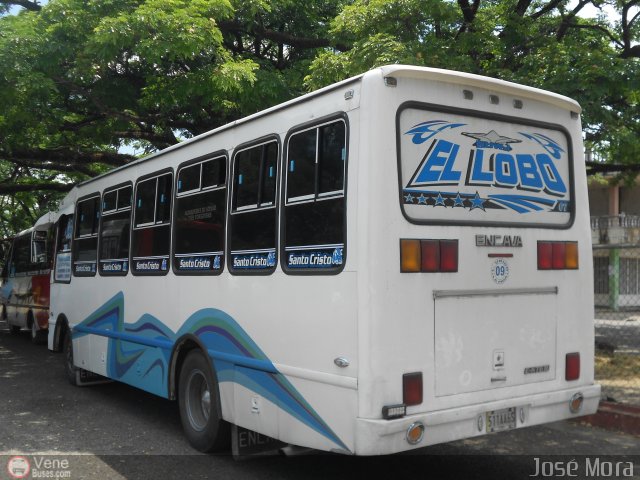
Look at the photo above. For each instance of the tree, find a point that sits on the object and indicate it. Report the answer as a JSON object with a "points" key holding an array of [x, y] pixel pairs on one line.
{"points": [[80, 79], [542, 44]]}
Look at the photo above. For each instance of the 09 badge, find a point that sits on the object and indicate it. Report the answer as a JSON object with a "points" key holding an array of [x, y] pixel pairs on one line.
{"points": [[500, 271]]}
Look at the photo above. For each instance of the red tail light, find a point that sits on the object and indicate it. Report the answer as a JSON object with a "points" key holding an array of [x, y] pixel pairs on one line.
{"points": [[557, 255], [428, 255], [412, 388], [572, 367], [557, 261], [448, 255], [545, 256]]}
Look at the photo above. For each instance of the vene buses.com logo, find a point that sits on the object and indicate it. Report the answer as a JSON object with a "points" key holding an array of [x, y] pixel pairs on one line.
{"points": [[18, 467]]}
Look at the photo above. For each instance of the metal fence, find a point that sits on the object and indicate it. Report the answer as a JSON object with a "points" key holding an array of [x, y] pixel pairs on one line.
{"points": [[617, 321]]}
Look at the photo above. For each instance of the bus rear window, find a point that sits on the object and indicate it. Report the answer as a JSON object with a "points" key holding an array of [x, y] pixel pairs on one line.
{"points": [[459, 167]]}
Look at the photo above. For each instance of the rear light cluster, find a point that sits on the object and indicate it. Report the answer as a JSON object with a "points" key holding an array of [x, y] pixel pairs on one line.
{"points": [[572, 366], [557, 255], [411, 395], [428, 255]]}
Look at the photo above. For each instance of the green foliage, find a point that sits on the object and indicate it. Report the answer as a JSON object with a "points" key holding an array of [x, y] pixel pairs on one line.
{"points": [[80, 79], [541, 46]]}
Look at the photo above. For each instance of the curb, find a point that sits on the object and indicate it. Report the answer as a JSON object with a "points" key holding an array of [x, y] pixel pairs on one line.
{"points": [[614, 416]]}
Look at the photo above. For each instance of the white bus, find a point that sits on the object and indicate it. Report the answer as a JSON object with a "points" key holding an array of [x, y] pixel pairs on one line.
{"points": [[394, 261], [24, 280]]}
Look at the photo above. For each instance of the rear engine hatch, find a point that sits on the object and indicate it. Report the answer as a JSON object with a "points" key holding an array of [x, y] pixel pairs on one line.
{"points": [[489, 339]]}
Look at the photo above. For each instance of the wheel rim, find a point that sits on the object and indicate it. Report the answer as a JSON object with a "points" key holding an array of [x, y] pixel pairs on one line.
{"points": [[198, 400]]}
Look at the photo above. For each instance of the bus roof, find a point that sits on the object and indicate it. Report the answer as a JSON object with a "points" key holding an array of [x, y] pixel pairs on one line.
{"points": [[436, 74]]}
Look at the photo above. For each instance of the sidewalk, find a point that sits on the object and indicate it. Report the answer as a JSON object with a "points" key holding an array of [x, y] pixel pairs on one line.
{"points": [[615, 416]]}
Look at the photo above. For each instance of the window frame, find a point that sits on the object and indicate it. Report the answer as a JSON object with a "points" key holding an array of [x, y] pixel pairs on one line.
{"points": [[154, 224], [317, 196], [75, 239], [58, 251], [107, 190], [275, 205], [190, 163]]}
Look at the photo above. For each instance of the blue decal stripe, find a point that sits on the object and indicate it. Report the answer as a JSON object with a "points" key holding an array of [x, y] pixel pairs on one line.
{"points": [[238, 358], [148, 342]]}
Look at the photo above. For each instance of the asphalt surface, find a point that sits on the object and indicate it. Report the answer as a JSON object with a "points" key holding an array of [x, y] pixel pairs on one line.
{"points": [[113, 431]]}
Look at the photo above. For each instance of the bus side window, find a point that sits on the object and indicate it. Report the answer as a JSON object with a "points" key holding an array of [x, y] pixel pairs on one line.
{"points": [[40, 247], [115, 231], [85, 238], [199, 218], [62, 271], [21, 258], [253, 219], [151, 237], [314, 232]]}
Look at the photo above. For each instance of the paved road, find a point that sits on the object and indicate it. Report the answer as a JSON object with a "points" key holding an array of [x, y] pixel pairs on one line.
{"points": [[113, 431]]}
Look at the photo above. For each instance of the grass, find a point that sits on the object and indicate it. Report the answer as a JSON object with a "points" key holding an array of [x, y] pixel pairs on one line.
{"points": [[619, 366]]}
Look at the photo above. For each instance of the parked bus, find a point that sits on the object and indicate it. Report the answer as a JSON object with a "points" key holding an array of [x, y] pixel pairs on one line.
{"points": [[394, 261], [24, 293]]}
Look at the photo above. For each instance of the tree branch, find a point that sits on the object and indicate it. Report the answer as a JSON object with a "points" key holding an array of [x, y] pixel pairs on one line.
{"points": [[69, 168], [233, 27], [33, 6], [12, 188], [66, 156], [598, 167], [546, 9]]}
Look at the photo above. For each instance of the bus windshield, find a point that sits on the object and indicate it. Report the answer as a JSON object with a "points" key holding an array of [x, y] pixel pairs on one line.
{"points": [[464, 167]]}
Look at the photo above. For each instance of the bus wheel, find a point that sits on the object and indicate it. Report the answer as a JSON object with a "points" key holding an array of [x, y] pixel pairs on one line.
{"points": [[199, 410], [15, 329], [69, 368]]}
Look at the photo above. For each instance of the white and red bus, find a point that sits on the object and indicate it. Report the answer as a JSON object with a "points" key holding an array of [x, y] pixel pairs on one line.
{"points": [[394, 261], [24, 290]]}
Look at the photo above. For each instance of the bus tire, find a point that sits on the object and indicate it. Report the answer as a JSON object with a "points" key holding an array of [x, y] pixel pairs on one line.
{"points": [[70, 369], [198, 400], [14, 329]]}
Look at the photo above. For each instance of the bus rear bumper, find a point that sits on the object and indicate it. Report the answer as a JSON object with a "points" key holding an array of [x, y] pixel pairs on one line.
{"points": [[379, 437]]}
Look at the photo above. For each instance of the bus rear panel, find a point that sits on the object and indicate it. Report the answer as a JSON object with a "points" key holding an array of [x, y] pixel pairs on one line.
{"points": [[479, 312]]}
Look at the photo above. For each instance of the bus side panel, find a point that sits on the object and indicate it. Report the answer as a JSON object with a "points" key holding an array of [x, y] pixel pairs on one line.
{"points": [[137, 352]]}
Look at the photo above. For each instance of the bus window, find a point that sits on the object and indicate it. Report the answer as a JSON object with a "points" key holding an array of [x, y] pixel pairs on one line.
{"points": [[200, 217], [114, 231], [21, 259], [152, 226], [39, 247], [62, 272], [85, 243], [314, 214], [252, 223]]}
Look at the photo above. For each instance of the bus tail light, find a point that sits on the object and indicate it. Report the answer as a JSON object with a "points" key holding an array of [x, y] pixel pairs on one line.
{"points": [[572, 366], [557, 255], [412, 388], [410, 255], [428, 255]]}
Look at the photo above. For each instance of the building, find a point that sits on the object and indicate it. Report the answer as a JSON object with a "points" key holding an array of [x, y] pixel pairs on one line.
{"points": [[615, 231]]}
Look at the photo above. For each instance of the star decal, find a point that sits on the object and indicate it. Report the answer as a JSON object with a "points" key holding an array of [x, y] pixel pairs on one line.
{"points": [[439, 200], [408, 198], [477, 202], [492, 139], [458, 201], [422, 199]]}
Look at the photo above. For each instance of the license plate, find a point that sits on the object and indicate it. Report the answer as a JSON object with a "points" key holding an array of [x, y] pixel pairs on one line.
{"points": [[500, 420]]}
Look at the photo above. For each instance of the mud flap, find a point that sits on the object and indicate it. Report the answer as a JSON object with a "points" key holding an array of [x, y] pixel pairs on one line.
{"points": [[246, 443], [85, 378]]}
